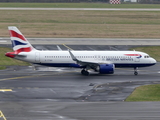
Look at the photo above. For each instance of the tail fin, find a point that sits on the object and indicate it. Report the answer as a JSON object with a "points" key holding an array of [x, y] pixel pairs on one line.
{"points": [[19, 42]]}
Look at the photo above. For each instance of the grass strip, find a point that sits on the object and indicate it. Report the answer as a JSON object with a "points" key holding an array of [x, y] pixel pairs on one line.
{"points": [[2, 67], [6, 61], [77, 5], [145, 93]]}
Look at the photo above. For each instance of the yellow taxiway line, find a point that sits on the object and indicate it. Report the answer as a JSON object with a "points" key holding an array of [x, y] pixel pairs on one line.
{"points": [[67, 47], [2, 115], [15, 78], [5, 90]]}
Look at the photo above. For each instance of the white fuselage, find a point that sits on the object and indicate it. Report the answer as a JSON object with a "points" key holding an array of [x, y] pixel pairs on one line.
{"points": [[63, 58]]}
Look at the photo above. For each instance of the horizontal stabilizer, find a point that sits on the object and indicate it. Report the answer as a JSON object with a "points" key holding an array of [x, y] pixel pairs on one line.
{"points": [[12, 55], [19, 55]]}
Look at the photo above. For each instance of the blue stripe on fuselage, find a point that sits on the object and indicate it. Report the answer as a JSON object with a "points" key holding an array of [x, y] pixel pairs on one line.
{"points": [[60, 65], [119, 65], [78, 66]]}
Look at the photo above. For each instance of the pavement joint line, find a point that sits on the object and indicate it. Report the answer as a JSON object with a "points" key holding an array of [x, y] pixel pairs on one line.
{"points": [[2, 115]]}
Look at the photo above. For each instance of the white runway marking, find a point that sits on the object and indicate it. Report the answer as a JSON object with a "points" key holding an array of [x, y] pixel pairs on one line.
{"points": [[3, 41]]}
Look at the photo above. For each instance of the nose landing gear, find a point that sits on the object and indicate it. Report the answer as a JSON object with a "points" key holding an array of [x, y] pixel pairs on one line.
{"points": [[135, 71]]}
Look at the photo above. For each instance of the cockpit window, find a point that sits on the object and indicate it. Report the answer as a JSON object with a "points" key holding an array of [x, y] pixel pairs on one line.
{"points": [[146, 56]]}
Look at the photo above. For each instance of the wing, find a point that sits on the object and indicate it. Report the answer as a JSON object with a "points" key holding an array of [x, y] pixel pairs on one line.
{"points": [[87, 62]]}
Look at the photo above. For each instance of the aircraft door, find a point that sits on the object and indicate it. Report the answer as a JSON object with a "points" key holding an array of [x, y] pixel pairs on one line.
{"points": [[37, 57], [137, 59]]}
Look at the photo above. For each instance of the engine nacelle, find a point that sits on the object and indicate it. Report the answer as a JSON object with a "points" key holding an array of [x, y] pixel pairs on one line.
{"points": [[106, 68]]}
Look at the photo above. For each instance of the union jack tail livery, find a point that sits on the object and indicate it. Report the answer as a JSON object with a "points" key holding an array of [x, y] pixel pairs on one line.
{"points": [[19, 42]]}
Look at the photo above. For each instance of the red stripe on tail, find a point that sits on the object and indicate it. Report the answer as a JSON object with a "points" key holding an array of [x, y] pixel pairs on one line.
{"points": [[15, 34], [23, 50]]}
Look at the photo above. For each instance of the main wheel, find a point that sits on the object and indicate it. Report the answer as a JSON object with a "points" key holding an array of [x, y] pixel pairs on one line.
{"points": [[135, 73], [84, 72]]}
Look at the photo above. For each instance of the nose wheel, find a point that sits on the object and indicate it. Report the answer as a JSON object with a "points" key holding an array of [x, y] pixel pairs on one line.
{"points": [[135, 71], [84, 72]]}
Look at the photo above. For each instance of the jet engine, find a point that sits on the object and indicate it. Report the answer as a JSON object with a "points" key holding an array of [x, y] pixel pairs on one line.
{"points": [[106, 68]]}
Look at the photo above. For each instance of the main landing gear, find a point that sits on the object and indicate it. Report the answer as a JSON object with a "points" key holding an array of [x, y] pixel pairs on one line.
{"points": [[135, 71], [84, 72]]}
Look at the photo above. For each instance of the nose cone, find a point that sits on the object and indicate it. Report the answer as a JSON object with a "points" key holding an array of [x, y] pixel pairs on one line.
{"points": [[153, 61]]}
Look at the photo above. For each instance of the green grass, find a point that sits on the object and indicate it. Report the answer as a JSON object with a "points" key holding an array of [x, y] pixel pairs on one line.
{"points": [[153, 51], [2, 67], [146, 93], [6, 61], [77, 5]]}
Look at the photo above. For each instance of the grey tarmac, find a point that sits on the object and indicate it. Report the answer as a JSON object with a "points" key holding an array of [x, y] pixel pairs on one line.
{"points": [[81, 110]]}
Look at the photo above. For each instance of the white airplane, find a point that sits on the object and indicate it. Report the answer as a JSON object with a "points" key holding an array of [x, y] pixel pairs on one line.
{"points": [[103, 62]]}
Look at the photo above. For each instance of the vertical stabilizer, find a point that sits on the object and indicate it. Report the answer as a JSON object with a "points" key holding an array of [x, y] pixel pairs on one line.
{"points": [[19, 42]]}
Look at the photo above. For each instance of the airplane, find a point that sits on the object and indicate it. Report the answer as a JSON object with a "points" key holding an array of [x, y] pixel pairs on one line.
{"points": [[103, 62]]}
